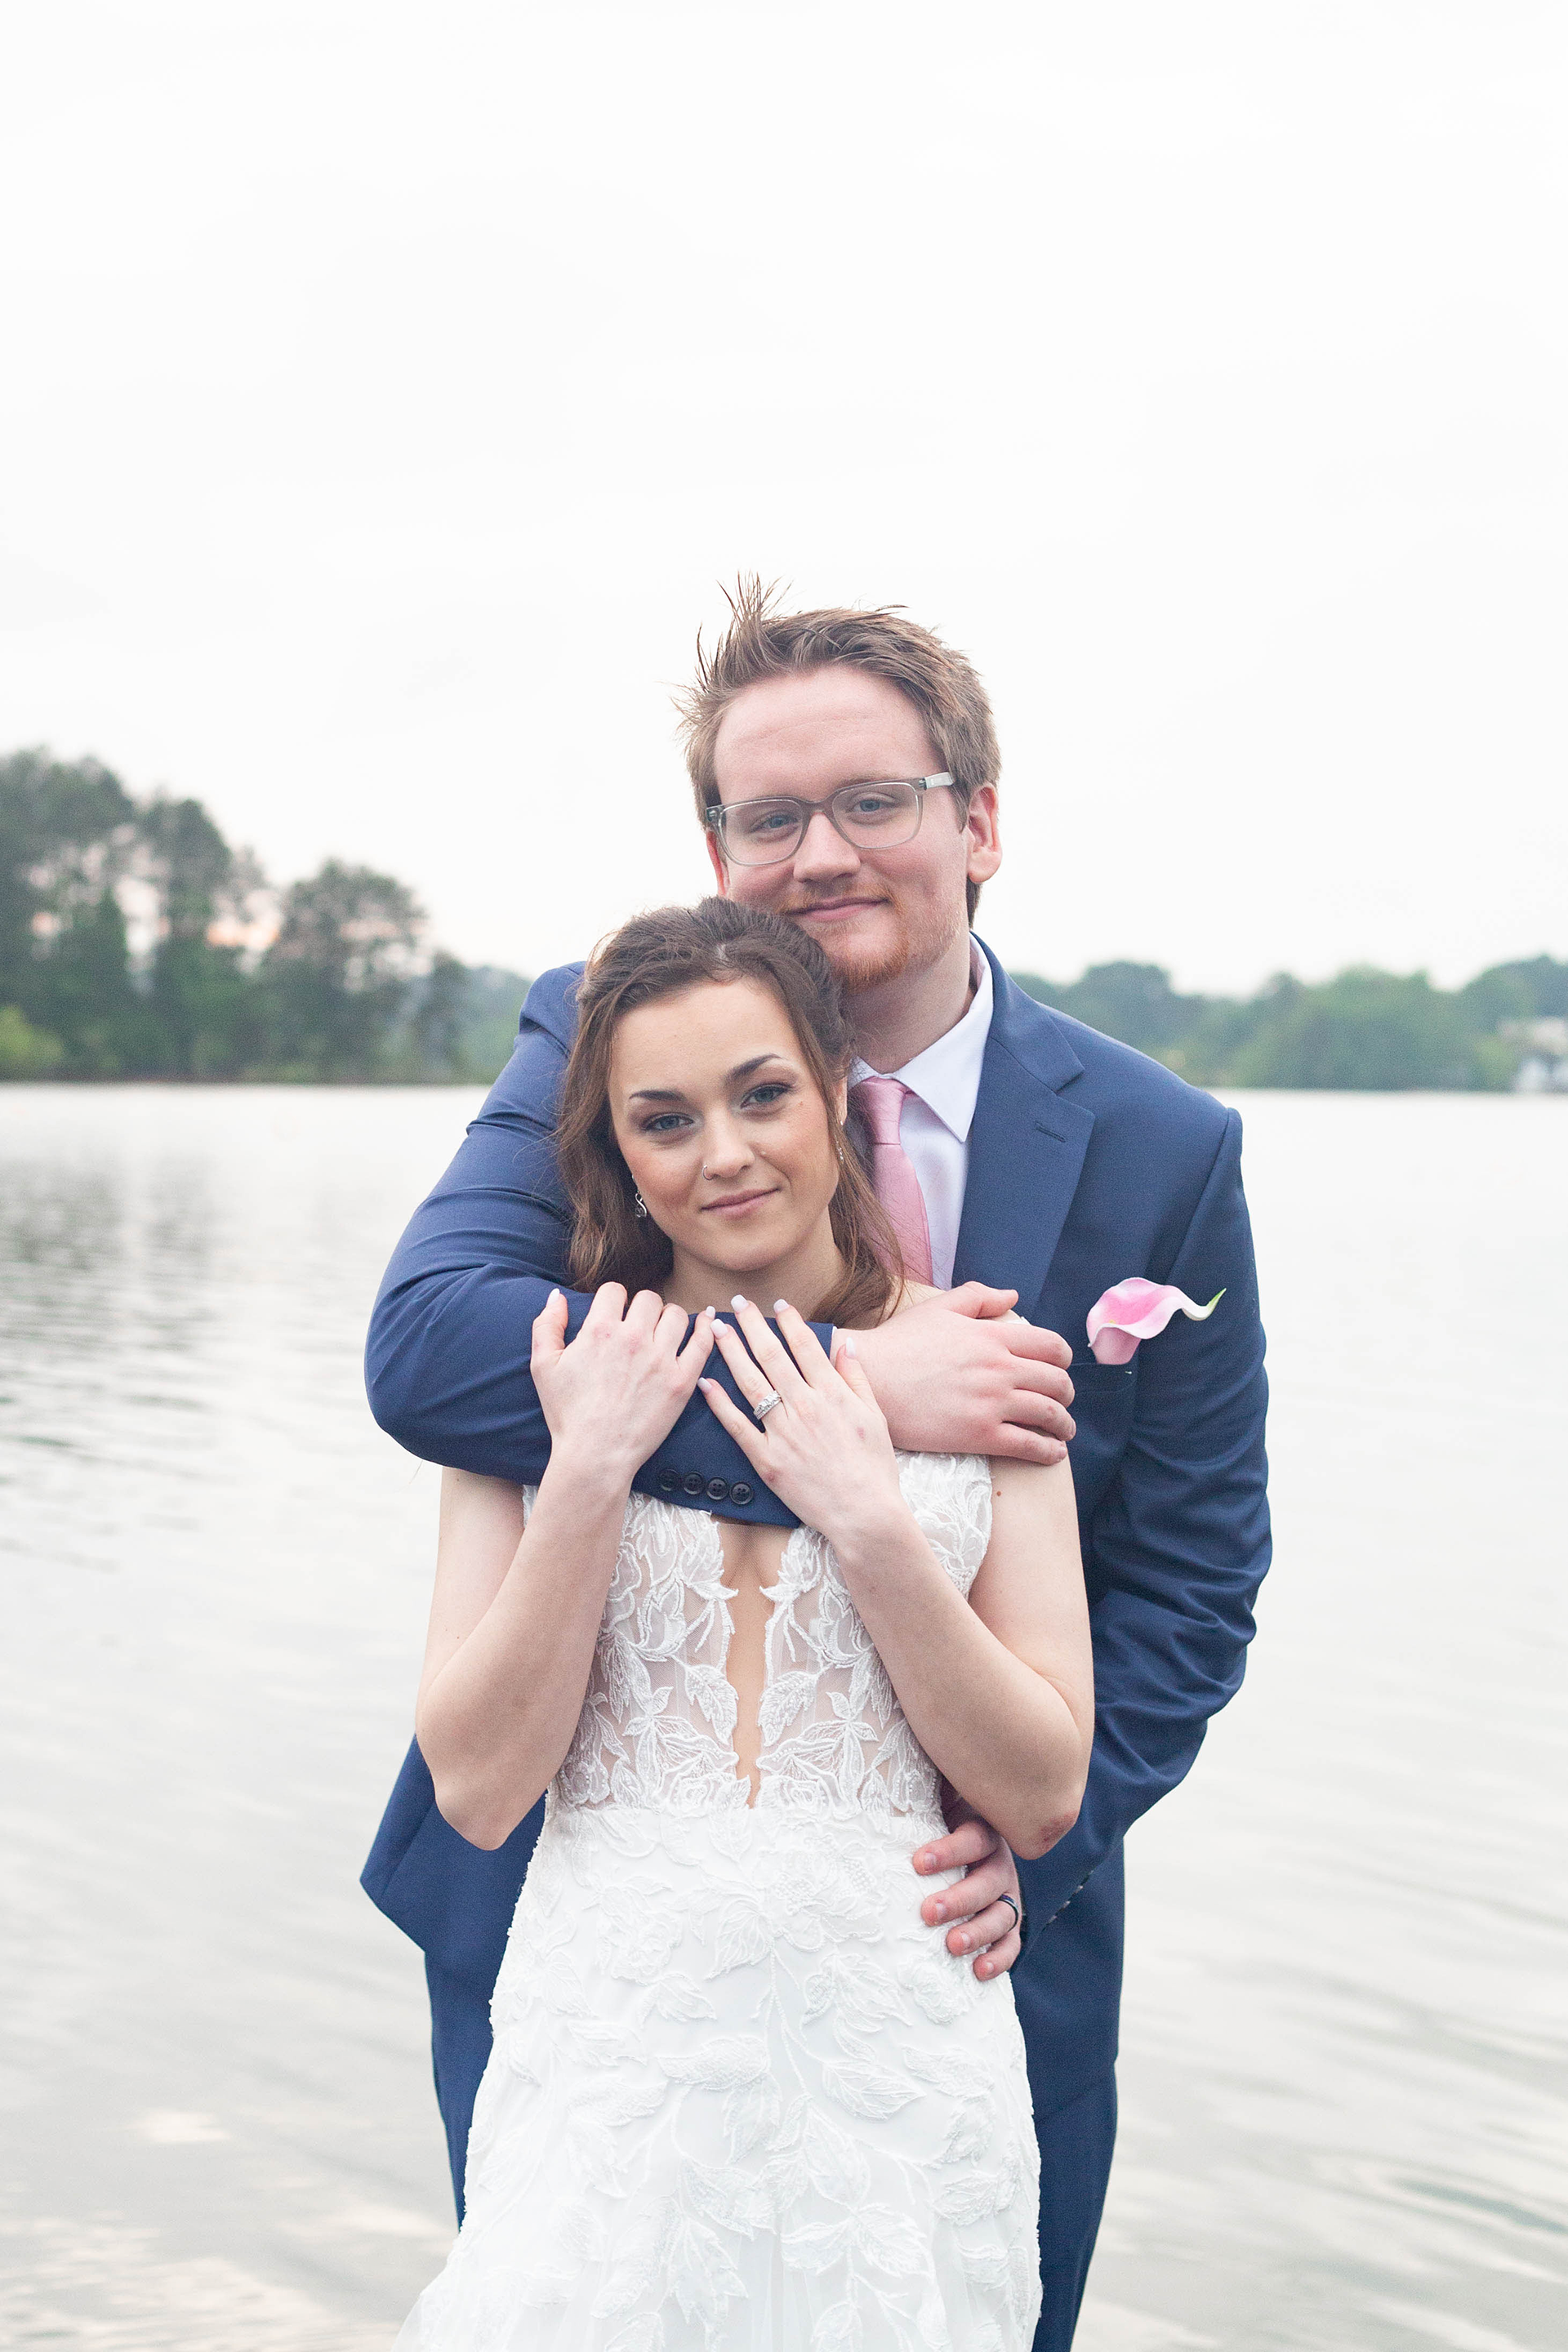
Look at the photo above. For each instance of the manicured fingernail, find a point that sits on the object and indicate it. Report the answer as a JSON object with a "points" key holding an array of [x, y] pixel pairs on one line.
{"points": [[711, 1313], [738, 1302], [778, 1306], [849, 1347], [555, 1294]]}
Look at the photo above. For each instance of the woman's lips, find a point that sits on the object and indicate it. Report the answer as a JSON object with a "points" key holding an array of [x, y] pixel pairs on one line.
{"points": [[736, 1203]]}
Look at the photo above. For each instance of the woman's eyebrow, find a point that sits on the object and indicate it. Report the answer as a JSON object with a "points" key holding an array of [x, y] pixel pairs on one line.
{"points": [[732, 1077]]}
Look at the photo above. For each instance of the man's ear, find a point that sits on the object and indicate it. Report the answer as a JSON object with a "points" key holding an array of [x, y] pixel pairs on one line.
{"points": [[982, 824], [716, 859]]}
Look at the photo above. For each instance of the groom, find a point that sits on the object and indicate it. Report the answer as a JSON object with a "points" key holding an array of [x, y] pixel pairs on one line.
{"points": [[1016, 1150]]}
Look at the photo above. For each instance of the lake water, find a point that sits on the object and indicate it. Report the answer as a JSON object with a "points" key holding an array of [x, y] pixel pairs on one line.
{"points": [[1345, 2055]]}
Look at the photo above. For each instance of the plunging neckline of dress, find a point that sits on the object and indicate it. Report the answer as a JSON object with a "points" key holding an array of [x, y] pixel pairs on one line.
{"points": [[659, 1716], [797, 1537], [749, 1775]]}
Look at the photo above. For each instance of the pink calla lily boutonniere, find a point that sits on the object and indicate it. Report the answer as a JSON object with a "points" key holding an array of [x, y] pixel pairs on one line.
{"points": [[1134, 1310]]}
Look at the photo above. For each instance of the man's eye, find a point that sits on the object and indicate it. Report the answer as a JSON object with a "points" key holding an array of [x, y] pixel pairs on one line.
{"points": [[872, 803]]}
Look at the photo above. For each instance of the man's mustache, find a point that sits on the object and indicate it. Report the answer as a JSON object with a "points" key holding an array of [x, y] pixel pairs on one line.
{"points": [[832, 898]]}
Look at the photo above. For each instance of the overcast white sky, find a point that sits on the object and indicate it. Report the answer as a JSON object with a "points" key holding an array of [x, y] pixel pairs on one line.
{"points": [[386, 388]]}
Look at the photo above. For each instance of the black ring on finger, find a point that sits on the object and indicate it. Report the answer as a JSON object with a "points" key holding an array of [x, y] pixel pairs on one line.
{"points": [[1017, 1915]]}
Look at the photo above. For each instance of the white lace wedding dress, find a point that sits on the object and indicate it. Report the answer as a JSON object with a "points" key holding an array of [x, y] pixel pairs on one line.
{"points": [[741, 2098]]}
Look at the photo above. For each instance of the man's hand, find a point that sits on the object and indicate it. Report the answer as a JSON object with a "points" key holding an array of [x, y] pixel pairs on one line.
{"points": [[962, 1374], [977, 1919]]}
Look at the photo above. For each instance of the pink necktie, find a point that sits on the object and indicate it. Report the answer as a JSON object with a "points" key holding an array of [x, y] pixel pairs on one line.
{"points": [[881, 1102]]}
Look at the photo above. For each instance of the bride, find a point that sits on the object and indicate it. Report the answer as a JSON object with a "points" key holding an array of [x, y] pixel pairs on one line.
{"points": [[740, 2100]]}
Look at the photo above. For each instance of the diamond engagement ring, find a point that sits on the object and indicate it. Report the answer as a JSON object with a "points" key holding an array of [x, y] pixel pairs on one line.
{"points": [[764, 1405]]}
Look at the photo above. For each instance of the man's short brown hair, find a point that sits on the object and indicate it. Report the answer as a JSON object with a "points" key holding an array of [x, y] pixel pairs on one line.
{"points": [[761, 642]]}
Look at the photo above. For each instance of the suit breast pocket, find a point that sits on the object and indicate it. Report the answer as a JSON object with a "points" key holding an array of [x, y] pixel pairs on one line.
{"points": [[1103, 1397]]}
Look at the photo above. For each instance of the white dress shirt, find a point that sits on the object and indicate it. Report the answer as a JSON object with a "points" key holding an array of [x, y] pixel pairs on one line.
{"points": [[934, 1124]]}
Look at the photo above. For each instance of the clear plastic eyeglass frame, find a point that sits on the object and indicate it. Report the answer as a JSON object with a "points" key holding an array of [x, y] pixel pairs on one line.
{"points": [[868, 816]]}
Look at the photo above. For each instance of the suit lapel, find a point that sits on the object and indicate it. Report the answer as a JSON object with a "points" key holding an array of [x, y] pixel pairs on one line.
{"points": [[1026, 1148]]}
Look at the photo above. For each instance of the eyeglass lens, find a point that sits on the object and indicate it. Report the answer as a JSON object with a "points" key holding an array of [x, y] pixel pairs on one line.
{"points": [[760, 833]]}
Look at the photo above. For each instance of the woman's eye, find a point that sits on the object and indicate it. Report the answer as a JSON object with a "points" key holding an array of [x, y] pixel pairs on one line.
{"points": [[763, 1097], [666, 1123]]}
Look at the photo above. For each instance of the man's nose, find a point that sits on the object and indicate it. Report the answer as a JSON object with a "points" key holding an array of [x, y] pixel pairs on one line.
{"points": [[824, 853]]}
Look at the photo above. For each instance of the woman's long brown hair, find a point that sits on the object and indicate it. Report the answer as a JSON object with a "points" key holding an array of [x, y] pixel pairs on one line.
{"points": [[662, 954]]}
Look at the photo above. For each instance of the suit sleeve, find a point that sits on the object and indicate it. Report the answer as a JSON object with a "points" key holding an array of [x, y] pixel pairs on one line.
{"points": [[1178, 1545], [446, 1358]]}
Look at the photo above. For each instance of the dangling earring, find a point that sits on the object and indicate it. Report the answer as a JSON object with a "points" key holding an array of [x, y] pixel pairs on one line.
{"points": [[639, 1206]]}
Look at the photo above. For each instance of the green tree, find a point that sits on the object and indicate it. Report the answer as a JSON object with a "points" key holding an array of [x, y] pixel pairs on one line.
{"points": [[26, 1052], [188, 863], [1533, 990], [205, 1015], [66, 835], [1134, 1002], [1366, 1030], [83, 993], [495, 999], [338, 975], [441, 1021]]}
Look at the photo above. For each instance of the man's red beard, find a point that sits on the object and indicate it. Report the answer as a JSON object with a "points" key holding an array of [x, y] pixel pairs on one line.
{"points": [[860, 970]]}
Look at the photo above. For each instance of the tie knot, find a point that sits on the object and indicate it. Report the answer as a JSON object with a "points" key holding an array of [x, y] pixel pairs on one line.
{"points": [[880, 1103]]}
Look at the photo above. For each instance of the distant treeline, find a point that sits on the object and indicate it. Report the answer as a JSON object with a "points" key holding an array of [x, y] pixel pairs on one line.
{"points": [[135, 942], [1507, 1028]]}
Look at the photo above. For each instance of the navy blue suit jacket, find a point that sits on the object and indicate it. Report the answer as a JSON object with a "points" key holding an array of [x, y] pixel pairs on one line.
{"points": [[1087, 1163]]}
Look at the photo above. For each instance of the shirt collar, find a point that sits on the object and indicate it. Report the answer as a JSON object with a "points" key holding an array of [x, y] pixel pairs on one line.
{"points": [[946, 1076]]}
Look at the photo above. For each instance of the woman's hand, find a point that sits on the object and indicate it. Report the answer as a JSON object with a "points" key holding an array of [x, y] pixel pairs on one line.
{"points": [[825, 1449], [620, 1387]]}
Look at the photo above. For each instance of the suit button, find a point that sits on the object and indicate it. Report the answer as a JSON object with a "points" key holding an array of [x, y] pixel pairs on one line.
{"points": [[692, 1481], [718, 1490], [667, 1482], [741, 1493]]}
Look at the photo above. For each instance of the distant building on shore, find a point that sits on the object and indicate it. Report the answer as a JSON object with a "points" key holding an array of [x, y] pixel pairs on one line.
{"points": [[1544, 1069]]}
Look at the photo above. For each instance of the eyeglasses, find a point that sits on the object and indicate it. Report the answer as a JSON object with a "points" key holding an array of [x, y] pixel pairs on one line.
{"points": [[868, 816]]}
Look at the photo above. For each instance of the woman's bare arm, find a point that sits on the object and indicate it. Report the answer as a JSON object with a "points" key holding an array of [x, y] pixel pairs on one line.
{"points": [[999, 1690], [513, 1622], [516, 1609]]}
